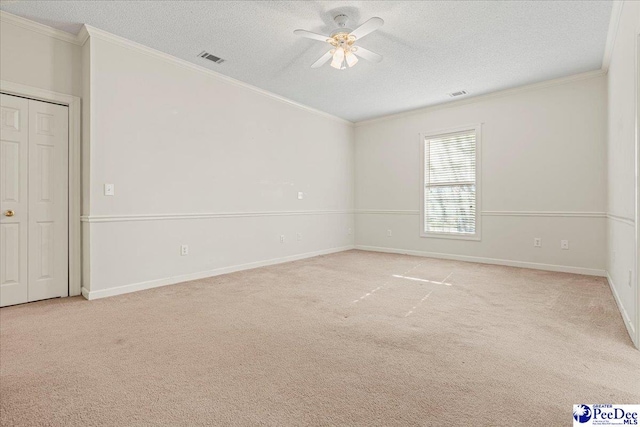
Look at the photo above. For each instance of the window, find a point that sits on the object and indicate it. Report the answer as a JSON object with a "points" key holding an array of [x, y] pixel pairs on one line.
{"points": [[450, 178]]}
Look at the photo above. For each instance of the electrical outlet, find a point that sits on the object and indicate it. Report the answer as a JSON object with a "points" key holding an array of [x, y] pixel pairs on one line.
{"points": [[537, 242], [300, 195], [299, 236], [282, 238], [389, 233], [184, 250], [109, 190], [564, 244]]}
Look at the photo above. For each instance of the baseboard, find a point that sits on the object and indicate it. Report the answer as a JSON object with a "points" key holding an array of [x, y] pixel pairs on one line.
{"points": [[496, 261], [119, 290], [628, 323]]}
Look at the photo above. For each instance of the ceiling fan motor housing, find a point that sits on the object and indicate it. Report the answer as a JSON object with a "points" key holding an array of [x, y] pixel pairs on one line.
{"points": [[341, 21], [343, 53]]}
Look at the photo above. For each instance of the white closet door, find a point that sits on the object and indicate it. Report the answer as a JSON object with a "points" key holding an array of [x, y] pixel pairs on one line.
{"points": [[34, 248], [14, 204], [48, 206]]}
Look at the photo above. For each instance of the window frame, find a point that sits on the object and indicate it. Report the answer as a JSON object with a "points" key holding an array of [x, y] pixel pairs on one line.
{"points": [[477, 128]]}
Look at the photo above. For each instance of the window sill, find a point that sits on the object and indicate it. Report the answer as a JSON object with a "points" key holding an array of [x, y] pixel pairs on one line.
{"points": [[473, 237]]}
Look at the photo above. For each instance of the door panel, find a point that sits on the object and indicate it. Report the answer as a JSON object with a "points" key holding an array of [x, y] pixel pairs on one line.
{"points": [[34, 146], [48, 207], [14, 150]]}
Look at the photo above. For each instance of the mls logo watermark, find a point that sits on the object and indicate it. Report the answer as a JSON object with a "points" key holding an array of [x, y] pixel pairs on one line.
{"points": [[605, 415]]}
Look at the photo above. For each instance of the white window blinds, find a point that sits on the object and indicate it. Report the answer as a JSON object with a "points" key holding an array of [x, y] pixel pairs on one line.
{"points": [[450, 184]]}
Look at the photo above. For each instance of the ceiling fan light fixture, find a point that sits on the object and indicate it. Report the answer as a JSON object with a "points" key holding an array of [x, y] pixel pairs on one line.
{"points": [[351, 59], [338, 59], [343, 53]]}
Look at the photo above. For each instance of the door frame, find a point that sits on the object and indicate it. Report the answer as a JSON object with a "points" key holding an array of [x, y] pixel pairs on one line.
{"points": [[637, 173], [73, 103]]}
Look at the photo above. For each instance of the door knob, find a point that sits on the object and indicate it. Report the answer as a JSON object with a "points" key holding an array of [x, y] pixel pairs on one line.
{"points": [[9, 213]]}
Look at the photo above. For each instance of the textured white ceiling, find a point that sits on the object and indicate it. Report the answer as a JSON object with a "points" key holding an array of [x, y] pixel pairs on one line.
{"points": [[430, 48]]}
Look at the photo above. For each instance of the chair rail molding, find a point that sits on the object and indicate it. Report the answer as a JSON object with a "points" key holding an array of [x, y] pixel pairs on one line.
{"points": [[205, 215], [622, 219], [494, 213]]}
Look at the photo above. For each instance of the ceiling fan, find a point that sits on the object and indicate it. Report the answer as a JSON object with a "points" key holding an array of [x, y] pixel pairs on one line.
{"points": [[343, 53]]}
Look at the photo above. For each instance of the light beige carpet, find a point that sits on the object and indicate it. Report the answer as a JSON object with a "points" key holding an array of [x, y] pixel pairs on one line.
{"points": [[332, 340]]}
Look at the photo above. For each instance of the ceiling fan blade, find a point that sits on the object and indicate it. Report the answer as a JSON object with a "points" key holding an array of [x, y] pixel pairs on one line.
{"points": [[323, 59], [367, 54], [312, 36], [366, 28]]}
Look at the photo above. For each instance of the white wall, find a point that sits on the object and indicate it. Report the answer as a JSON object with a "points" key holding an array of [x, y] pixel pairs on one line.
{"points": [[35, 59], [622, 80], [162, 128], [177, 142], [86, 156], [543, 175]]}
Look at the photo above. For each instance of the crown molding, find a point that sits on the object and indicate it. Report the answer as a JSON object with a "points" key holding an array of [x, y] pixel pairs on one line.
{"points": [[616, 12], [38, 28], [88, 31], [83, 35], [491, 95], [121, 41]]}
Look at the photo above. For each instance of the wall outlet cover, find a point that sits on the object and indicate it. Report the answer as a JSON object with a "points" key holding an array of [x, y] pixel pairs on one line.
{"points": [[109, 190]]}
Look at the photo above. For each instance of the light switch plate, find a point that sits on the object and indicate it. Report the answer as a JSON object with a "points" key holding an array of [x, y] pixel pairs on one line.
{"points": [[109, 190], [300, 195]]}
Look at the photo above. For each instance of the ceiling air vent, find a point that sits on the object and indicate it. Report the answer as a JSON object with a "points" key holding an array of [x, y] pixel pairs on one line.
{"points": [[458, 93], [207, 55]]}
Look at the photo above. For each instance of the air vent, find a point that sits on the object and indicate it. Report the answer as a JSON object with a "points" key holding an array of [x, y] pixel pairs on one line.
{"points": [[458, 93], [207, 55]]}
